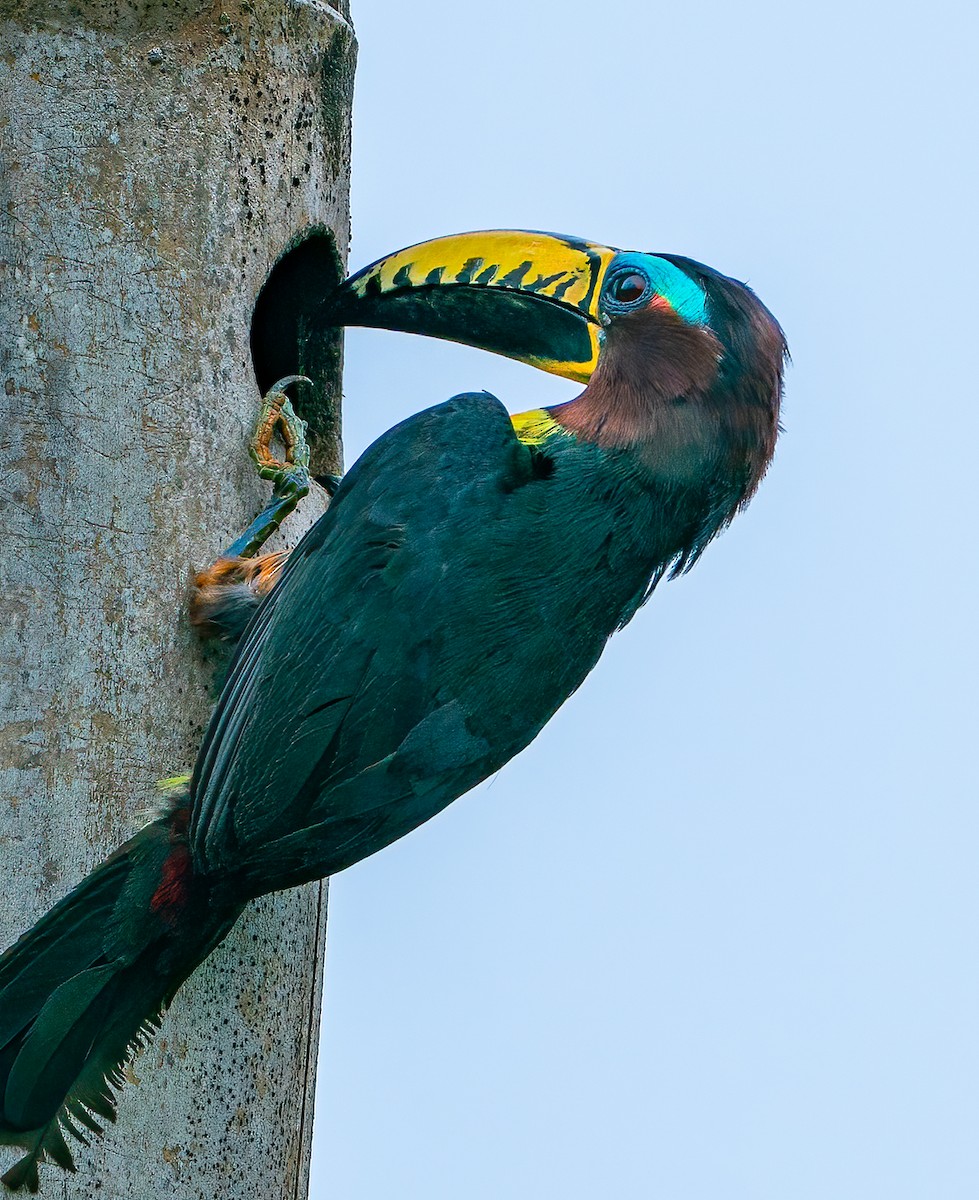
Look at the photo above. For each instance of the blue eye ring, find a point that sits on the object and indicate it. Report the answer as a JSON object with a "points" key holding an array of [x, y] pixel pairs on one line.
{"points": [[626, 288]]}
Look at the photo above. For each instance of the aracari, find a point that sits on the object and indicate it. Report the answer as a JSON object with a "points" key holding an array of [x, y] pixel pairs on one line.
{"points": [[464, 581]]}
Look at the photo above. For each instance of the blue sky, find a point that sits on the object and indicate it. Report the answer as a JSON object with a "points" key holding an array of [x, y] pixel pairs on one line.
{"points": [[713, 935]]}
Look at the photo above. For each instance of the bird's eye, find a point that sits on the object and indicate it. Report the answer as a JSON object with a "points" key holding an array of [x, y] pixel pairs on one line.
{"points": [[625, 289]]}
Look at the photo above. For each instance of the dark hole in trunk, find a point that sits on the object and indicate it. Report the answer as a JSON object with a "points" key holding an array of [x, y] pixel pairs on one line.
{"points": [[286, 339]]}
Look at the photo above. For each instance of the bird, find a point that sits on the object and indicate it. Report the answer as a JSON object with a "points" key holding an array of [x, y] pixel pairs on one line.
{"points": [[465, 579]]}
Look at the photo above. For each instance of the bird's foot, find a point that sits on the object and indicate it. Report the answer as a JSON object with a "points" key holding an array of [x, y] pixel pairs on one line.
{"points": [[227, 592], [289, 475]]}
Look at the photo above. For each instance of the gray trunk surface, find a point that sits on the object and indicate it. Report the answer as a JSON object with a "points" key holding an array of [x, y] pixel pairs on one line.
{"points": [[155, 162]]}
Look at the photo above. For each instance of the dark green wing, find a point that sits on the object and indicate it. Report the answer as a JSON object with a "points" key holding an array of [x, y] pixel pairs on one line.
{"points": [[424, 631]]}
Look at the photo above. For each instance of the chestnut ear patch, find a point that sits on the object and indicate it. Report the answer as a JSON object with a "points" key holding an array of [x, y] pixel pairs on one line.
{"points": [[652, 359]]}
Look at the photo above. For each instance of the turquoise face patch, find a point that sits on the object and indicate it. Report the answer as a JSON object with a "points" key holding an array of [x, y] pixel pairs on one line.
{"points": [[682, 294]]}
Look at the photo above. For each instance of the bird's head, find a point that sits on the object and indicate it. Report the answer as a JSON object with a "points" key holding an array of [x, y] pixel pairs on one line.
{"points": [[678, 360]]}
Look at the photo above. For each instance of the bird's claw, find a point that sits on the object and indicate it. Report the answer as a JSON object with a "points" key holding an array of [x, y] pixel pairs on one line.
{"points": [[226, 594], [289, 475]]}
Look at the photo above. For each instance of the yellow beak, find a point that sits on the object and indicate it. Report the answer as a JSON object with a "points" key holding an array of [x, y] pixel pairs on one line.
{"points": [[529, 296]]}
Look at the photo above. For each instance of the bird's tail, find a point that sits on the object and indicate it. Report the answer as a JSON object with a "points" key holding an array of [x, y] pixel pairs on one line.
{"points": [[84, 988]]}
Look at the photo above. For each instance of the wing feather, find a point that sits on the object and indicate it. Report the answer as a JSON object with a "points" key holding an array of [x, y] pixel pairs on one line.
{"points": [[425, 629]]}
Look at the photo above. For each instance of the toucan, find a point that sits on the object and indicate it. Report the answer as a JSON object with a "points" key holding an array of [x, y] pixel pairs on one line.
{"points": [[464, 580]]}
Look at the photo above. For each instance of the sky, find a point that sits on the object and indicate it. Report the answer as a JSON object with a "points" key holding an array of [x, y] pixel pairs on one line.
{"points": [[713, 934]]}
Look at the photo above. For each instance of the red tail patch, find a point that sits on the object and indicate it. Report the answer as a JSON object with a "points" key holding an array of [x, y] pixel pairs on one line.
{"points": [[172, 893]]}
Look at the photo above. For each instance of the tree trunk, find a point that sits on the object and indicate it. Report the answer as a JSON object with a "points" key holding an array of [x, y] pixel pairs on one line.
{"points": [[157, 160]]}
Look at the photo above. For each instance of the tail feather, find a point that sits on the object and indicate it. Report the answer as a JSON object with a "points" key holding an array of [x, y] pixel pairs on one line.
{"points": [[59, 1044], [87, 987], [69, 935]]}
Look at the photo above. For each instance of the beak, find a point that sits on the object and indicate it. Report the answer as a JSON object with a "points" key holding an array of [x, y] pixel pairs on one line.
{"points": [[528, 296]]}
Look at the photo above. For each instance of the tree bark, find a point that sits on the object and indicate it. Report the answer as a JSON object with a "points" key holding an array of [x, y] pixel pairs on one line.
{"points": [[156, 159]]}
